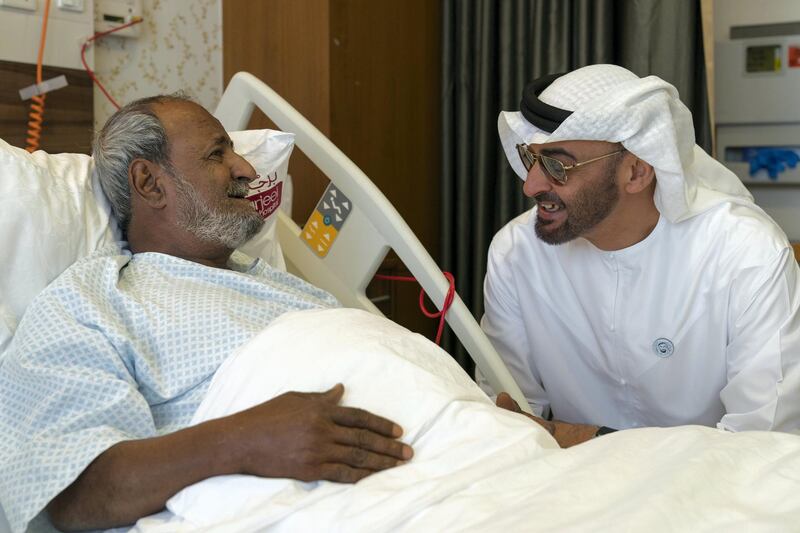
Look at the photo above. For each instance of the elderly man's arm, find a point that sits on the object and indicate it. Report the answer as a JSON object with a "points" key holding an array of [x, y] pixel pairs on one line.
{"points": [[304, 436]]}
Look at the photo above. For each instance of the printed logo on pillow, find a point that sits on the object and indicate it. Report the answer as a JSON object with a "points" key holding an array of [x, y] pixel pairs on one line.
{"points": [[266, 195]]}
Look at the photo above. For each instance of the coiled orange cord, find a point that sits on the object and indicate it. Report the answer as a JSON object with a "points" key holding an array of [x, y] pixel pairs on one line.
{"points": [[36, 114], [35, 119]]}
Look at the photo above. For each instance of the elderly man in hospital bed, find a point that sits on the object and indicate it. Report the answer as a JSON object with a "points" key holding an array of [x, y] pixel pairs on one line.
{"points": [[645, 288], [112, 361]]}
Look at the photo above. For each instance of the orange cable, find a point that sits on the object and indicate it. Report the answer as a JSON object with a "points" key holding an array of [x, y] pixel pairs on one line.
{"points": [[36, 114]]}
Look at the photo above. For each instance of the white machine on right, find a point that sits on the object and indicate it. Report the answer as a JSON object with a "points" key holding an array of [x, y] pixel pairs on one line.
{"points": [[757, 108]]}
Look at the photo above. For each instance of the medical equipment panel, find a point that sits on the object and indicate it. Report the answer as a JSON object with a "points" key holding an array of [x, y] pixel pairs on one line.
{"points": [[756, 92]]}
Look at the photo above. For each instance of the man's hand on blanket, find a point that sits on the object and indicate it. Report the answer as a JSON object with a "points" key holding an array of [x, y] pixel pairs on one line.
{"points": [[566, 434], [296, 435], [308, 436]]}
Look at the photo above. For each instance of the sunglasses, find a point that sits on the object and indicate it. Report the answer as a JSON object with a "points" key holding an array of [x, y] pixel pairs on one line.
{"points": [[555, 169]]}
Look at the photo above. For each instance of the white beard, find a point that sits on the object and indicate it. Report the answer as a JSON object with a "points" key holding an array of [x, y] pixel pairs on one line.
{"points": [[210, 223]]}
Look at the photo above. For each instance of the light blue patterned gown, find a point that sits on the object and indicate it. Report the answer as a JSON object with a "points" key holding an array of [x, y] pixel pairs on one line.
{"points": [[122, 347]]}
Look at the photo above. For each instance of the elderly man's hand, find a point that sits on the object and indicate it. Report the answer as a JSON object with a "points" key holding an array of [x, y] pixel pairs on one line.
{"points": [[296, 435], [308, 436], [566, 434]]}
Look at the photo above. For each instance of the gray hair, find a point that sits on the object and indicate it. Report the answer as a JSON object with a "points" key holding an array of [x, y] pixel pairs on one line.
{"points": [[131, 133]]}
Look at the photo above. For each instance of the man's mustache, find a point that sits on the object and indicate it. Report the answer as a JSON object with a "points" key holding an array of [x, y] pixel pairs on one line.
{"points": [[238, 189]]}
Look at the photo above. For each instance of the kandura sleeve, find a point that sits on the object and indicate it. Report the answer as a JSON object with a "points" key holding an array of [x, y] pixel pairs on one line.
{"points": [[503, 323], [763, 353]]}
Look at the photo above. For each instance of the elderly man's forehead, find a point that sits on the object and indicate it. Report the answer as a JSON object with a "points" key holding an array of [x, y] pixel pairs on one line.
{"points": [[180, 112], [188, 124]]}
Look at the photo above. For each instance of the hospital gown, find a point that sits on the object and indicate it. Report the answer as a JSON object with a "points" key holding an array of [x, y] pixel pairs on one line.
{"points": [[696, 324], [122, 347]]}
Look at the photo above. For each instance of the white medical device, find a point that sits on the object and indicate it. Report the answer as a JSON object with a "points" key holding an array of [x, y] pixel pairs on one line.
{"points": [[110, 14], [757, 92]]}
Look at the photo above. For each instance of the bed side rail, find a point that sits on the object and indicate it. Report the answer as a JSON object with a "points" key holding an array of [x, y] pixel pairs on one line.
{"points": [[373, 227]]}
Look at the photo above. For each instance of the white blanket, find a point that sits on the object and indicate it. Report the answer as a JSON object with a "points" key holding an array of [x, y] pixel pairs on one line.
{"points": [[476, 467]]}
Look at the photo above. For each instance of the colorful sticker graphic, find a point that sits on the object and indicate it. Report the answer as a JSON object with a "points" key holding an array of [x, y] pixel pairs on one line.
{"points": [[326, 221]]}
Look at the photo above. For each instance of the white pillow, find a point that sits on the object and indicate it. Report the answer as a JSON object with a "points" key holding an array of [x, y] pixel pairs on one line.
{"points": [[268, 151], [53, 212]]}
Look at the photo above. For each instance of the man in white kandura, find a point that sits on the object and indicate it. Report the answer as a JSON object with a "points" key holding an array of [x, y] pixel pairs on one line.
{"points": [[645, 288]]}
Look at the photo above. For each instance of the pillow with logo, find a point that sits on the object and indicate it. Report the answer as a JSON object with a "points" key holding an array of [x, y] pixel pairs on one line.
{"points": [[53, 212], [268, 151]]}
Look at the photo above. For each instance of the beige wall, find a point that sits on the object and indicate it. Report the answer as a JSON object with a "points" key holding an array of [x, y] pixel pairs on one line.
{"points": [[180, 47], [20, 32]]}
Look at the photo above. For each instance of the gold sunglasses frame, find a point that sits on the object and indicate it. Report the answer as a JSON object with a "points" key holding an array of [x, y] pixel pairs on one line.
{"points": [[529, 159]]}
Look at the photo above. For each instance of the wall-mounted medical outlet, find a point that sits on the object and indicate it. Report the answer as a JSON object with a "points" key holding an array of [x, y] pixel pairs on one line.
{"points": [[110, 14], [78, 6], [28, 5]]}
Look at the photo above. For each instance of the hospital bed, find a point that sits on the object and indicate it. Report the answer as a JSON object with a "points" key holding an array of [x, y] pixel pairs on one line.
{"points": [[476, 468], [373, 228], [512, 478]]}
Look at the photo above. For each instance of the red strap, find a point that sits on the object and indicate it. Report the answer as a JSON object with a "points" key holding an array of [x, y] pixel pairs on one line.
{"points": [[85, 46], [448, 300]]}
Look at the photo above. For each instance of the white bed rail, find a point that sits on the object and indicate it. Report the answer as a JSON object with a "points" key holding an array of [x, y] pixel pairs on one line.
{"points": [[372, 228]]}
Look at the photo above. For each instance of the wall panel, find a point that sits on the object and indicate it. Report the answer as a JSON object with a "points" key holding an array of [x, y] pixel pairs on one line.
{"points": [[385, 115], [285, 43], [367, 74], [385, 91], [67, 125]]}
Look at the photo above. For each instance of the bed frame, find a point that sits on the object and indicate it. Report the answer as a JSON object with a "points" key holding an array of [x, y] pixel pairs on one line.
{"points": [[373, 228]]}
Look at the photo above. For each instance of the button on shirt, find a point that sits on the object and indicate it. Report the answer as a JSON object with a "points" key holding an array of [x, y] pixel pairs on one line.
{"points": [[696, 324]]}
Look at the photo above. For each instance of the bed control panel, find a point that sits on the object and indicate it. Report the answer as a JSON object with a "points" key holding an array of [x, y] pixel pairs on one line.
{"points": [[326, 221]]}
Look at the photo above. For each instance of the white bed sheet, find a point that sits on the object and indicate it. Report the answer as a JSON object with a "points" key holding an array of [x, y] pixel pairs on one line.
{"points": [[476, 468]]}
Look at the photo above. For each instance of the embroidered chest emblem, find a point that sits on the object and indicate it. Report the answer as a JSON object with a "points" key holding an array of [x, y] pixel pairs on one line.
{"points": [[663, 347]]}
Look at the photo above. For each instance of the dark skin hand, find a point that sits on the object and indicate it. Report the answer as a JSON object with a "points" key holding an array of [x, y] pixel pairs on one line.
{"points": [[566, 434], [305, 436]]}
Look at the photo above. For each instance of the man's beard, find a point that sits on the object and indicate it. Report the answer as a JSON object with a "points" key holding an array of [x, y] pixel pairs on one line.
{"points": [[219, 224], [590, 206]]}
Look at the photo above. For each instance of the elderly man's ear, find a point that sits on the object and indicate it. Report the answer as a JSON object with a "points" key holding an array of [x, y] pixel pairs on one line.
{"points": [[641, 175], [147, 183]]}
